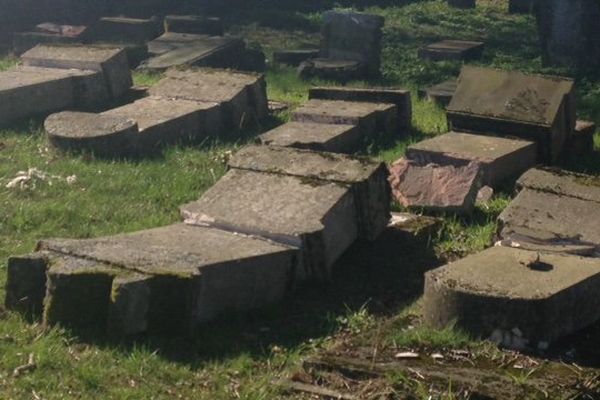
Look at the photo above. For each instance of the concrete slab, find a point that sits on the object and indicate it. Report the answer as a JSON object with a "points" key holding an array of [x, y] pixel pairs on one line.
{"points": [[112, 62], [508, 103], [517, 298], [318, 217], [320, 137], [242, 96], [196, 24], [294, 57], [101, 134], [440, 94], [366, 178], [500, 158], [167, 278], [554, 211], [399, 97], [446, 50], [371, 118], [436, 187]]}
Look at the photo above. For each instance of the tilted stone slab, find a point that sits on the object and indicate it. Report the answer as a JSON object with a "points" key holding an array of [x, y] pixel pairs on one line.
{"points": [[515, 297], [311, 136], [508, 103], [452, 50], [112, 62], [167, 278], [319, 217], [440, 94], [196, 24], [401, 98], [436, 187], [172, 40], [555, 211], [366, 178], [500, 158], [242, 96], [371, 118]]}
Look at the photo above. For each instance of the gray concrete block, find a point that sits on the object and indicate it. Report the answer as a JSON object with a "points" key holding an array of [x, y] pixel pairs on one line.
{"points": [[319, 137], [515, 297]]}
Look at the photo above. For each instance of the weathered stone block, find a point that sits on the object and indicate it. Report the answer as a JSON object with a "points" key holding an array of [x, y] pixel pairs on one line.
{"points": [[500, 158], [319, 137], [436, 187], [120, 29], [26, 283], [399, 97], [129, 308], [441, 94], [112, 62], [172, 40], [366, 178], [371, 118], [515, 297], [507, 103], [452, 50], [196, 24], [294, 57]]}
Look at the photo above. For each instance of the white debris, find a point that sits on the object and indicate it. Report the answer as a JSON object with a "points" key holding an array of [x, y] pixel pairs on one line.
{"points": [[407, 355], [28, 179]]}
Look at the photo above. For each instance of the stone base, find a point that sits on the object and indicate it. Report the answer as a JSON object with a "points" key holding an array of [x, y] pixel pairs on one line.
{"points": [[452, 50], [319, 137], [332, 69]]}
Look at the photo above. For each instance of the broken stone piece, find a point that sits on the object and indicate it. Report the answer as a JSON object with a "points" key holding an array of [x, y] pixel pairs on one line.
{"points": [[440, 94], [195, 24], [294, 57], [500, 158], [484, 195], [436, 187], [452, 50], [509, 103], [535, 296], [401, 98], [311, 136]]}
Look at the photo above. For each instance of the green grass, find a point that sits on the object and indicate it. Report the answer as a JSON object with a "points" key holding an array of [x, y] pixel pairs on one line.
{"points": [[239, 356]]}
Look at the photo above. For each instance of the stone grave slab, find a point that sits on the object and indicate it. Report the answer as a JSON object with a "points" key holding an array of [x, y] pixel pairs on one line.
{"points": [[27, 91], [366, 178], [311, 136], [399, 97], [172, 277], [462, 3], [105, 135], [555, 211], [508, 103], [172, 40], [500, 158], [294, 57], [195, 24], [203, 51], [112, 62], [436, 187], [440, 94], [242, 96], [319, 217], [515, 297], [581, 141], [121, 29], [371, 118], [465, 50]]}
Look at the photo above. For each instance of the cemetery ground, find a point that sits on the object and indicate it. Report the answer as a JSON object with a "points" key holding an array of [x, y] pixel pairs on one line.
{"points": [[370, 311]]}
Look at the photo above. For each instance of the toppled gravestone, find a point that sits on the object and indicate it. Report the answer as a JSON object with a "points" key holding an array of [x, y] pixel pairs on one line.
{"points": [[312, 136], [555, 211], [514, 297], [500, 158], [297, 208], [53, 78], [441, 93], [320, 202], [185, 106], [569, 34], [436, 187], [508, 103], [452, 50], [350, 47]]}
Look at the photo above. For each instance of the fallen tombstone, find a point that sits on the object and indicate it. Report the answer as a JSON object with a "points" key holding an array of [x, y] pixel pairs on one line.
{"points": [[500, 158], [436, 187], [399, 97], [311, 136], [121, 29], [516, 298], [350, 47], [185, 106], [47, 33], [555, 211], [441, 93], [581, 141], [55, 78], [164, 279], [371, 118], [196, 24], [508, 103], [294, 57], [452, 50], [462, 3], [521, 6]]}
